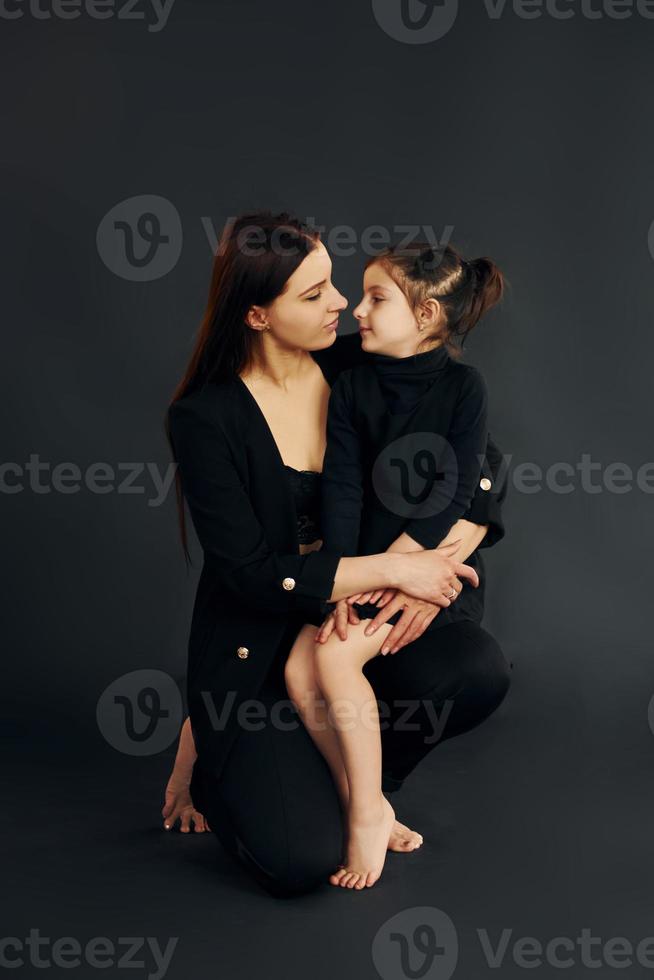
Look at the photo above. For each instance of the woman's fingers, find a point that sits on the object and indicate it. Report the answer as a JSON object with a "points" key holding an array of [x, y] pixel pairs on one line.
{"points": [[200, 823], [418, 627], [354, 598], [384, 614], [466, 571], [456, 586], [399, 630]]}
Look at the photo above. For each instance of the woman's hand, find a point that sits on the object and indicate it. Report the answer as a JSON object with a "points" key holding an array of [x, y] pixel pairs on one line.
{"points": [[178, 805], [413, 622], [431, 575]]}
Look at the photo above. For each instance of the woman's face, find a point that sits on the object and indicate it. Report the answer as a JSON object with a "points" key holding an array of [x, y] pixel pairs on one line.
{"points": [[387, 324], [306, 314]]}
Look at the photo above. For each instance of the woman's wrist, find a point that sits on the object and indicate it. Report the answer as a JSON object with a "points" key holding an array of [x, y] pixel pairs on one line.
{"points": [[365, 573]]}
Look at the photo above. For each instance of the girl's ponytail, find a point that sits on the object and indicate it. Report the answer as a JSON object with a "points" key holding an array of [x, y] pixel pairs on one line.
{"points": [[487, 289]]}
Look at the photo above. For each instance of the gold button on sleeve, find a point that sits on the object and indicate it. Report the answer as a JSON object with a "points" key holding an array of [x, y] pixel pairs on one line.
{"points": [[289, 583], [485, 483], [243, 653]]}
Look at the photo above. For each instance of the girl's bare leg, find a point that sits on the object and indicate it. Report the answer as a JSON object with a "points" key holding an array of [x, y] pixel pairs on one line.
{"points": [[304, 691], [354, 714]]}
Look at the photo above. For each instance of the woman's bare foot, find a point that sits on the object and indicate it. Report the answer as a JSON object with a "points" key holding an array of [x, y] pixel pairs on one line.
{"points": [[367, 845], [179, 805]]}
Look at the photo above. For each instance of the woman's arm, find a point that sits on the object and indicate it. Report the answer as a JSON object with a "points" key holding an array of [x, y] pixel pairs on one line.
{"points": [[235, 545]]}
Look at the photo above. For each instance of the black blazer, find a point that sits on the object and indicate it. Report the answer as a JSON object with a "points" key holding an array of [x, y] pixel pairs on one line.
{"points": [[253, 577]]}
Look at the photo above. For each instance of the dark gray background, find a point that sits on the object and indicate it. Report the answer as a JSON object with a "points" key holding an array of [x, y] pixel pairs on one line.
{"points": [[533, 139]]}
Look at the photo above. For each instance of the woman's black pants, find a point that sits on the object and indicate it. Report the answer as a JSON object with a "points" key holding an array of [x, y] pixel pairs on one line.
{"points": [[275, 807]]}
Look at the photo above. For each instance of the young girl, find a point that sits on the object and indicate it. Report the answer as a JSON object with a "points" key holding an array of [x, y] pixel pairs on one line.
{"points": [[406, 435]]}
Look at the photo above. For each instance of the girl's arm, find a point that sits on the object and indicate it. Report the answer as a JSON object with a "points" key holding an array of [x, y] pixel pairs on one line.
{"points": [[468, 535], [467, 440]]}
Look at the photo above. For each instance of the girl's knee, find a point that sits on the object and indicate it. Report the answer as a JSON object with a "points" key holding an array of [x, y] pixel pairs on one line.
{"points": [[298, 669]]}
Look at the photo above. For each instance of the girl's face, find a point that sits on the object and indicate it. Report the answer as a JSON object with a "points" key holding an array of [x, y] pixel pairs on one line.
{"points": [[387, 324], [306, 314]]}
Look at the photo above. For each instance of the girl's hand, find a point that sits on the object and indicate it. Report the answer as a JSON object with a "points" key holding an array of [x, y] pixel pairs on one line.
{"points": [[338, 619], [413, 622], [381, 597]]}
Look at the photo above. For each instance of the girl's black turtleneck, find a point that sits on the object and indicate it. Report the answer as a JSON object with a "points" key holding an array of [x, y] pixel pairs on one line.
{"points": [[381, 414], [405, 380]]}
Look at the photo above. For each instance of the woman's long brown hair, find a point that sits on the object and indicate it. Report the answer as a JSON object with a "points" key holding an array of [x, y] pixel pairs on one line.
{"points": [[256, 256]]}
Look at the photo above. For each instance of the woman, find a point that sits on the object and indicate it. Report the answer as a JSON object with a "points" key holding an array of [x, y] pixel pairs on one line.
{"points": [[247, 427]]}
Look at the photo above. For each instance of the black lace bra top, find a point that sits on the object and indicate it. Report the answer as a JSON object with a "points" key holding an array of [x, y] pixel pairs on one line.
{"points": [[306, 494]]}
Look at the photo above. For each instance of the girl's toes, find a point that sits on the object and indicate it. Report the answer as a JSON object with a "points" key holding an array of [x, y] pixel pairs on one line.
{"points": [[335, 878], [352, 880]]}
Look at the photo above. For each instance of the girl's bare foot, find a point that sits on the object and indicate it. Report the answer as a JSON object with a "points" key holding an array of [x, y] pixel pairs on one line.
{"points": [[179, 805], [368, 840], [404, 839]]}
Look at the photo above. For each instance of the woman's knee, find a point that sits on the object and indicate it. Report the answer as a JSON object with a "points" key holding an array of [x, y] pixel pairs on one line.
{"points": [[485, 671], [303, 876]]}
